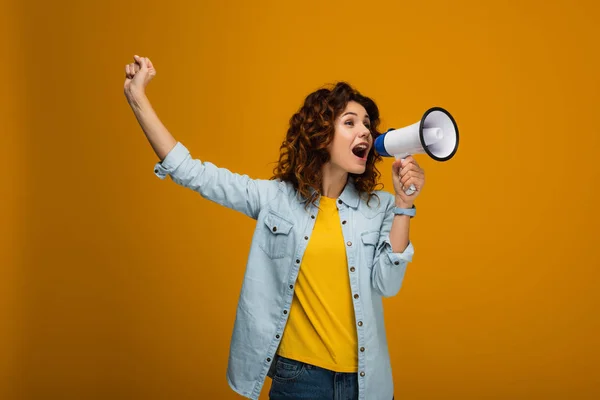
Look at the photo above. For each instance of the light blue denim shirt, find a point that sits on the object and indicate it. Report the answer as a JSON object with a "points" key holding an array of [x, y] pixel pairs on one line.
{"points": [[282, 233]]}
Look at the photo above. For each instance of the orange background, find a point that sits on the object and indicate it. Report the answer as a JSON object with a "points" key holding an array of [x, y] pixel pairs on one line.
{"points": [[117, 285]]}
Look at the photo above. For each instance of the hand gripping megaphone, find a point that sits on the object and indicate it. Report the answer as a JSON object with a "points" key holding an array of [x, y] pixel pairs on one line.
{"points": [[436, 134]]}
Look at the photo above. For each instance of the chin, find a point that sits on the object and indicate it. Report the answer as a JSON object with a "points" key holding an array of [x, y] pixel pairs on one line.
{"points": [[357, 170]]}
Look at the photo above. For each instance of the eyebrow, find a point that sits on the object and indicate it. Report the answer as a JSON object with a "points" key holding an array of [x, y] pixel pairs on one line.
{"points": [[353, 113]]}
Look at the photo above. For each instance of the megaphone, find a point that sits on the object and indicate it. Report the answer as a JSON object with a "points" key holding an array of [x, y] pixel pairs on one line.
{"points": [[436, 134]]}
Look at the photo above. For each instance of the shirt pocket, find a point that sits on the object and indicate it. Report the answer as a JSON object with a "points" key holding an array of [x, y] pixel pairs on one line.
{"points": [[277, 235], [369, 244]]}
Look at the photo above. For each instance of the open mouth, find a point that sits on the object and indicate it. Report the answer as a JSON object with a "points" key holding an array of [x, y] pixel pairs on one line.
{"points": [[361, 150]]}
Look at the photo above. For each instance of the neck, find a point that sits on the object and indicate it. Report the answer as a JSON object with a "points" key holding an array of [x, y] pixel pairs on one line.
{"points": [[333, 181]]}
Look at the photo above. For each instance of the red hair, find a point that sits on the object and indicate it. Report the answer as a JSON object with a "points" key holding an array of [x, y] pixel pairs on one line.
{"points": [[304, 150]]}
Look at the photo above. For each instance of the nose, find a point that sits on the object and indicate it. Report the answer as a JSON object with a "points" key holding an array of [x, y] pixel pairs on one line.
{"points": [[365, 131]]}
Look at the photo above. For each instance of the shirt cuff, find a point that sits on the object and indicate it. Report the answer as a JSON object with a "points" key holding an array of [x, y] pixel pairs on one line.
{"points": [[170, 163], [399, 258]]}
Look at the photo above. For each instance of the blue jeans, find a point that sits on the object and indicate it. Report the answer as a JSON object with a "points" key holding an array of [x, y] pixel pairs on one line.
{"points": [[295, 380]]}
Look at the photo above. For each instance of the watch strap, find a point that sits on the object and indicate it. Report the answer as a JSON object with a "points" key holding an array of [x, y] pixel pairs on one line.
{"points": [[411, 212]]}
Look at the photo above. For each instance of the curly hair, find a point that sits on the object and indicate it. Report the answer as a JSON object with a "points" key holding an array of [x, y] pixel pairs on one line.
{"points": [[311, 130]]}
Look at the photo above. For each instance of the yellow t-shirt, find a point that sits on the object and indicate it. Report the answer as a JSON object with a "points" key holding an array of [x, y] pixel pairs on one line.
{"points": [[321, 327]]}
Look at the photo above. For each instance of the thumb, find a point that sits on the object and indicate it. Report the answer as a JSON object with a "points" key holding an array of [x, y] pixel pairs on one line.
{"points": [[396, 166]]}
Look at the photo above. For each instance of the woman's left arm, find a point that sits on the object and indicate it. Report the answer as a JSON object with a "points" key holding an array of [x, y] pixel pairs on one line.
{"points": [[405, 173], [395, 251]]}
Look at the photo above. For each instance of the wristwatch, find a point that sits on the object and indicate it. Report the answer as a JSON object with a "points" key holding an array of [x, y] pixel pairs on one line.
{"points": [[406, 211]]}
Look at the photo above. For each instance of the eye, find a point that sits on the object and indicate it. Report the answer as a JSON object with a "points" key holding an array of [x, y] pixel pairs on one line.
{"points": [[349, 122]]}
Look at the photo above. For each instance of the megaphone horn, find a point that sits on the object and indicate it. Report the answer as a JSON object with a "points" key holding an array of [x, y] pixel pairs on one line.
{"points": [[436, 134]]}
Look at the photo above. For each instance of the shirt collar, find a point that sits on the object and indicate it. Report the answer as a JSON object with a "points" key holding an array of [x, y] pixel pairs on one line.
{"points": [[349, 196]]}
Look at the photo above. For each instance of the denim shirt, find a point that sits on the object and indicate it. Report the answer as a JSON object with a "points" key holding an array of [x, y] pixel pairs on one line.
{"points": [[280, 238]]}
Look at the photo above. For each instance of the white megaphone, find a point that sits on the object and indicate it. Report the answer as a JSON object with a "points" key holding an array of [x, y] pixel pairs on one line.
{"points": [[435, 134]]}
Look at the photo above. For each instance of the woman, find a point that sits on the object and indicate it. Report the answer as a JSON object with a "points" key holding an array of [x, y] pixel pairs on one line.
{"points": [[326, 249]]}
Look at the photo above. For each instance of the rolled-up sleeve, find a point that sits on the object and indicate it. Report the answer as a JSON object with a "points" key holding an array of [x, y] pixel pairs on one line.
{"points": [[170, 163], [389, 267], [397, 258], [232, 190]]}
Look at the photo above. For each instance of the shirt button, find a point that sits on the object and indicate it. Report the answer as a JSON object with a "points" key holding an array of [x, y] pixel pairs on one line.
{"points": [[362, 349], [359, 323], [396, 262], [291, 286], [349, 243], [305, 237], [312, 216], [344, 222], [269, 359], [277, 336], [339, 202], [297, 261], [356, 296], [285, 311], [274, 229], [362, 373], [156, 171], [351, 269]]}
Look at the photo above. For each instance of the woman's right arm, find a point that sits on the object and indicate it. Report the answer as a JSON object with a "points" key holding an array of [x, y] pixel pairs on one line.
{"points": [[137, 76], [235, 191]]}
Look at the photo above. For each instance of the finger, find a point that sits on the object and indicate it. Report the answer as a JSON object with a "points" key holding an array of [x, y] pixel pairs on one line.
{"points": [[141, 61], [412, 181], [149, 63], [406, 166], [410, 167], [406, 170], [408, 159], [127, 70], [405, 178], [412, 175]]}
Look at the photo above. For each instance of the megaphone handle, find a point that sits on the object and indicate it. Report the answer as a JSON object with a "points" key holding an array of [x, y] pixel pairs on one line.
{"points": [[412, 188]]}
